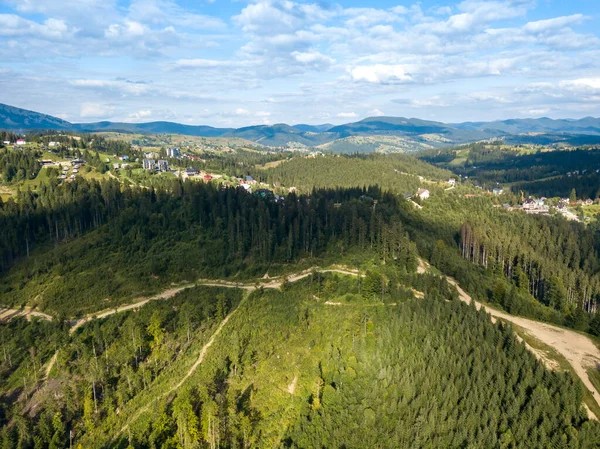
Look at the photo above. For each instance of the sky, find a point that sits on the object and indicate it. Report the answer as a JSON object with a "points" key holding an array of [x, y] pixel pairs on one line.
{"points": [[233, 63]]}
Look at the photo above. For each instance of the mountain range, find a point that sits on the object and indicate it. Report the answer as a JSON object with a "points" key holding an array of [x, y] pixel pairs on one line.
{"points": [[416, 133]]}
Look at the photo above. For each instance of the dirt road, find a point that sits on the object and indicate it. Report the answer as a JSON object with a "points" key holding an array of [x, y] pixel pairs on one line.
{"points": [[136, 305], [191, 371], [167, 294], [9, 314], [578, 349]]}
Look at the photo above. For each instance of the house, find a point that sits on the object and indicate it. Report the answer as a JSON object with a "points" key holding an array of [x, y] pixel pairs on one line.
{"points": [[173, 152], [21, 142], [407, 196], [46, 162], [75, 170], [249, 180], [77, 162], [125, 166], [116, 165], [65, 168], [191, 171], [149, 164], [498, 191], [535, 206], [6, 142], [423, 194], [125, 158], [63, 176], [452, 182], [207, 177], [52, 144], [72, 176], [588, 202], [162, 165]]}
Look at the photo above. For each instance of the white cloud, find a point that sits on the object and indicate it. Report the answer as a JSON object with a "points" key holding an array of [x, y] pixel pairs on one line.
{"points": [[582, 83], [347, 115], [376, 113], [96, 111], [380, 74], [120, 86], [542, 26], [206, 63], [162, 12], [141, 114], [313, 58], [55, 29]]}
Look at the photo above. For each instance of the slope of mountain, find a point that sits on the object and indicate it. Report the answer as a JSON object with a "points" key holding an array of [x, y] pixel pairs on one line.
{"points": [[417, 133], [587, 125], [153, 127], [313, 128], [280, 135], [12, 118]]}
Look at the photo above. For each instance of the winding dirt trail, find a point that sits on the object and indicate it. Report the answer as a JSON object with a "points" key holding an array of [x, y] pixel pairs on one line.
{"points": [[7, 314], [167, 294], [578, 349], [191, 371]]}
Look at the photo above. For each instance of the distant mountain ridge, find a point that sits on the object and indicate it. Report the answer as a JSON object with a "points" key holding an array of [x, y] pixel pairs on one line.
{"points": [[425, 132]]}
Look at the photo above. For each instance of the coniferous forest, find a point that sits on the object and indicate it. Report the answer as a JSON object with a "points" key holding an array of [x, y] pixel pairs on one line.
{"points": [[301, 320]]}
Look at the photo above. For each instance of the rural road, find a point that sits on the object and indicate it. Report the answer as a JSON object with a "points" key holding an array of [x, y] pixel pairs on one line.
{"points": [[577, 349], [9, 314]]}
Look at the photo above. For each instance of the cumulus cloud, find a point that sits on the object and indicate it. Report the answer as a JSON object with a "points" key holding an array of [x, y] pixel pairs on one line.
{"points": [[96, 110], [347, 115], [54, 29], [298, 53], [380, 74]]}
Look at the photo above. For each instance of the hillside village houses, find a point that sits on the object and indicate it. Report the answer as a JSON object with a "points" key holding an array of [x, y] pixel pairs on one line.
{"points": [[173, 152], [151, 164], [423, 194]]}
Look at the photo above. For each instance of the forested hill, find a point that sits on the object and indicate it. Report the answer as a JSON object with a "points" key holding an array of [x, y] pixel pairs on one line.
{"points": [[339, 356], [398, 172], [419, 133]]}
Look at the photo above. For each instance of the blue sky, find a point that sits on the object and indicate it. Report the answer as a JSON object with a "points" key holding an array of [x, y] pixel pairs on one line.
{"points": [[238, 63]]}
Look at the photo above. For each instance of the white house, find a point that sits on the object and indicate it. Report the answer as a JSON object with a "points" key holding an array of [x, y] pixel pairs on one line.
{"points": [[21, 142], [452, 182], [6, 142], [423, 194]]}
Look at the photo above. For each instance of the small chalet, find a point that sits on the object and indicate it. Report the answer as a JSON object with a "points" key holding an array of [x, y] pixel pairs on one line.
{"points": [[191, 171], [423, 194], [452, 182]]}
